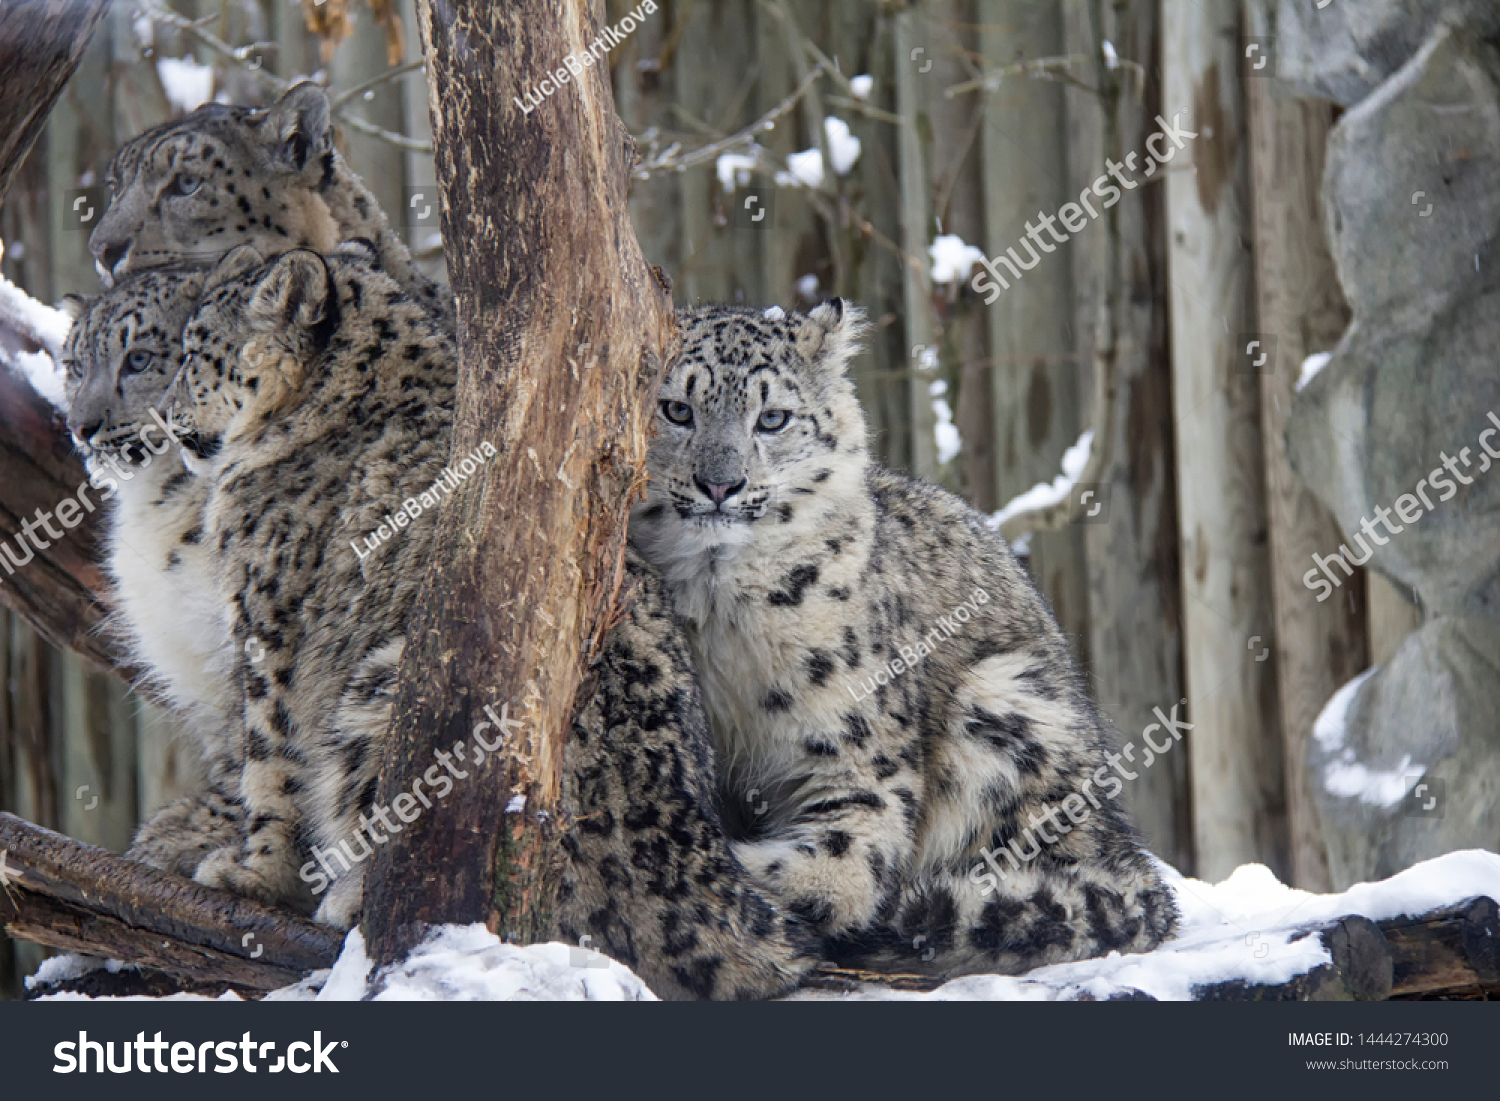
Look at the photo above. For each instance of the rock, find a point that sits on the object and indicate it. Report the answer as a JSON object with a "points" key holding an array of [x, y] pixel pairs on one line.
{"points": [[1344, 50], [1426, 718], [1424, 287]]}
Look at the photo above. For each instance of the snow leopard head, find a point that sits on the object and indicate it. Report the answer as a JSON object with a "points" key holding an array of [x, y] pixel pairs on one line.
{"points": [[122, 353], [756, 413], [222, 176]]}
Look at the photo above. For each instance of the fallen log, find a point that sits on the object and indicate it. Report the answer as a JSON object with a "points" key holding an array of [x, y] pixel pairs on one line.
{"points": [[65, 894], [1449, 953]]}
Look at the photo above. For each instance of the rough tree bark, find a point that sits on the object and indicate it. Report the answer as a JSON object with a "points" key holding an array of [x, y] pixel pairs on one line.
{"points": [[40, 44], [562, 331], [58, 593], [61, 592]]}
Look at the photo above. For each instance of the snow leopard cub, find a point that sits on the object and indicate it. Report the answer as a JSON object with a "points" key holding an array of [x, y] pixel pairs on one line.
{"points": [[889, 695], [122, 352]]}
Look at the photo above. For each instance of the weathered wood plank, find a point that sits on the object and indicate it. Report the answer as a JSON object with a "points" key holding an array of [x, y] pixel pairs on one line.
{"points": [[1229, 631], [1319, 646]]}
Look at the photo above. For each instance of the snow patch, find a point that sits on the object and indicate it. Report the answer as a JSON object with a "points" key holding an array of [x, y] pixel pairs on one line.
{"points": [[952, 259], [774, 313], [805, 169], [188, 84], [38, 369], [1310, 368], [734, 169], [1348, 778], [1047, 494], [1251, 927], [862, 85], [949, 443], [807, 287]]}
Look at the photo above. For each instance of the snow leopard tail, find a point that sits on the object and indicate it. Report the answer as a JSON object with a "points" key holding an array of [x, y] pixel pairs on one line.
{"points": [[991, 917], [651, 879]]}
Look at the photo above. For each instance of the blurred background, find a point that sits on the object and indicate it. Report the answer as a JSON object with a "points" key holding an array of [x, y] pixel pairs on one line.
{"points": [[1212, 381]]}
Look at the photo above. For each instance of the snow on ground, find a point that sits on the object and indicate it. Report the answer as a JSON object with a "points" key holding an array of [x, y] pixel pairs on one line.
{"points": [[735, 168], [1250, 927], [1045, 494]]}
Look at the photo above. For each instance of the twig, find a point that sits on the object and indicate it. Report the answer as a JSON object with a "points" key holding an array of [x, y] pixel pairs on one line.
{"points": [[671, 161], [276, 84], [1041, 68], [375, 81]]}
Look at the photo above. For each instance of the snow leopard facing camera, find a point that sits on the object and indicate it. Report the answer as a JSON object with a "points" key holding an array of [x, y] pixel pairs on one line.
{"points": [[889, 695]]}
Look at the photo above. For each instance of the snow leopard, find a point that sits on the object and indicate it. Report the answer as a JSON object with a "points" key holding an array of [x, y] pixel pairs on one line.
{"points": [[897, 716], [222, 176], [123, 350], [320, 394]]}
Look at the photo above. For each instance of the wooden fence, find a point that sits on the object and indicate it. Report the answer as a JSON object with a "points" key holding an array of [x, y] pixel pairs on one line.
{"points": [[974, 118]]}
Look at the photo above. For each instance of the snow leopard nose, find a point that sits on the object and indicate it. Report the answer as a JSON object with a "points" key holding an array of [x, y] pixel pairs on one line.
{"points": [[719, 491], [83, 433], [112, 255]]}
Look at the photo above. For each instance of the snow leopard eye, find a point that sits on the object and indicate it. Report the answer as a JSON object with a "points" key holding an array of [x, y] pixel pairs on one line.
{"points": [[678, 412], [772, 420], [185, 184], [136, 361]]}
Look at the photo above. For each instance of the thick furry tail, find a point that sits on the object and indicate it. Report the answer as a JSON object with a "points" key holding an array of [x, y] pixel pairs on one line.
{"points": [[979, 922], [651, 879]]}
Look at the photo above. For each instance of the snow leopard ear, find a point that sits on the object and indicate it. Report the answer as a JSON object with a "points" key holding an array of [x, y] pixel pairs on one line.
{"points": [[296, 298], [75, 305], [830, 336], [233, 264], [297, 127]]}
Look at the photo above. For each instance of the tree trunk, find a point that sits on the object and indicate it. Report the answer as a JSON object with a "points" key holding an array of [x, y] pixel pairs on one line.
{"points": [[562, 330], [59, 592], [40, 44]]}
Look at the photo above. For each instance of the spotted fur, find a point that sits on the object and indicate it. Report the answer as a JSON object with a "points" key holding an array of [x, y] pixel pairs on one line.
{"points": [[321, 395], [224, 176], [801, 570], [124, 349]]}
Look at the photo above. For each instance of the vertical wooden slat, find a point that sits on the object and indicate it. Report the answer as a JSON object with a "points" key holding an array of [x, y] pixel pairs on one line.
{"points": [[720, 260], [1135, 611], [1239, 796], [362, 57], [912, 31], [1319, 646], [97, 802], [862, 41], [1036, 384]]}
